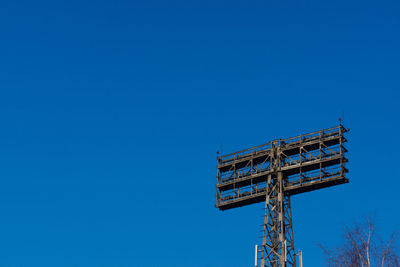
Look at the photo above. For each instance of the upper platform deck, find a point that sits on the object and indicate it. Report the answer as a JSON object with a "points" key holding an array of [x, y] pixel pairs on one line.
{"points": [[289, 146]]}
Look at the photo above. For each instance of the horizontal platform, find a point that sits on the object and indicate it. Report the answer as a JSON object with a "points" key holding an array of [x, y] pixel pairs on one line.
{"points": [[289, 146], [256, 198], [255, 178], [291, 190], [314, 185], [264, 156]]}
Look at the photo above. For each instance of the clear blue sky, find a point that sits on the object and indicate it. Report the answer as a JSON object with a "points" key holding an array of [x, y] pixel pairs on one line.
{"points": [[112, 112]]}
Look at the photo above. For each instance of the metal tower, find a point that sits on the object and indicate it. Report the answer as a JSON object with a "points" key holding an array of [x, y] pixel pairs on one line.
{"points": [[275, 171]]}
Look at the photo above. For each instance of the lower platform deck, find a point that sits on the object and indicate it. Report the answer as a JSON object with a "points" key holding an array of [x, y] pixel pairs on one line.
{"points": [[258, 194]]}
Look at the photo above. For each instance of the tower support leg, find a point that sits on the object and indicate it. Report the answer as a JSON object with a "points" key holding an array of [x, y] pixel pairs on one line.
{"points": [[278, 244]]}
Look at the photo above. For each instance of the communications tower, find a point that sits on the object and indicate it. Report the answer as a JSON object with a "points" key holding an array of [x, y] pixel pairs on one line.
{"points": [[272, 173]]}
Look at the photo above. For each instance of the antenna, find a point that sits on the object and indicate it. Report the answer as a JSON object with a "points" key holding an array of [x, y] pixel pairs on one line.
{"points": [[300, 258], [285, 252], [341, 119], [256, 257]]}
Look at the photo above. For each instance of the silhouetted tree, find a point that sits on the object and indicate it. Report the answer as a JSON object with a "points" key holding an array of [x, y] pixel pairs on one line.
{"points": [[363, 248]]}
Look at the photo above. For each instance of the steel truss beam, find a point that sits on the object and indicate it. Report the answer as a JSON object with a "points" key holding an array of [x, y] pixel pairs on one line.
{"points": [[278, 244]]}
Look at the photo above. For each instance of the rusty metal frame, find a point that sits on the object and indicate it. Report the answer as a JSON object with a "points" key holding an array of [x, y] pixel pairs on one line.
{"points": [[275, 171]]}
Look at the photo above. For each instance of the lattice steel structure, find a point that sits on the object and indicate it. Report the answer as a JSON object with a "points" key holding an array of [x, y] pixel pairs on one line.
{"points": [[275, 171]]}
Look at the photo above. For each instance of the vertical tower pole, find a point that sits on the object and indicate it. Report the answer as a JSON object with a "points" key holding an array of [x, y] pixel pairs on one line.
{"points": [[300, 258], [270, 245], [278, 244]]}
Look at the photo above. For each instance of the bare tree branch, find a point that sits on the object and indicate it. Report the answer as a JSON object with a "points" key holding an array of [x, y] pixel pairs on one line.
{"points": [[361, 249]]}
